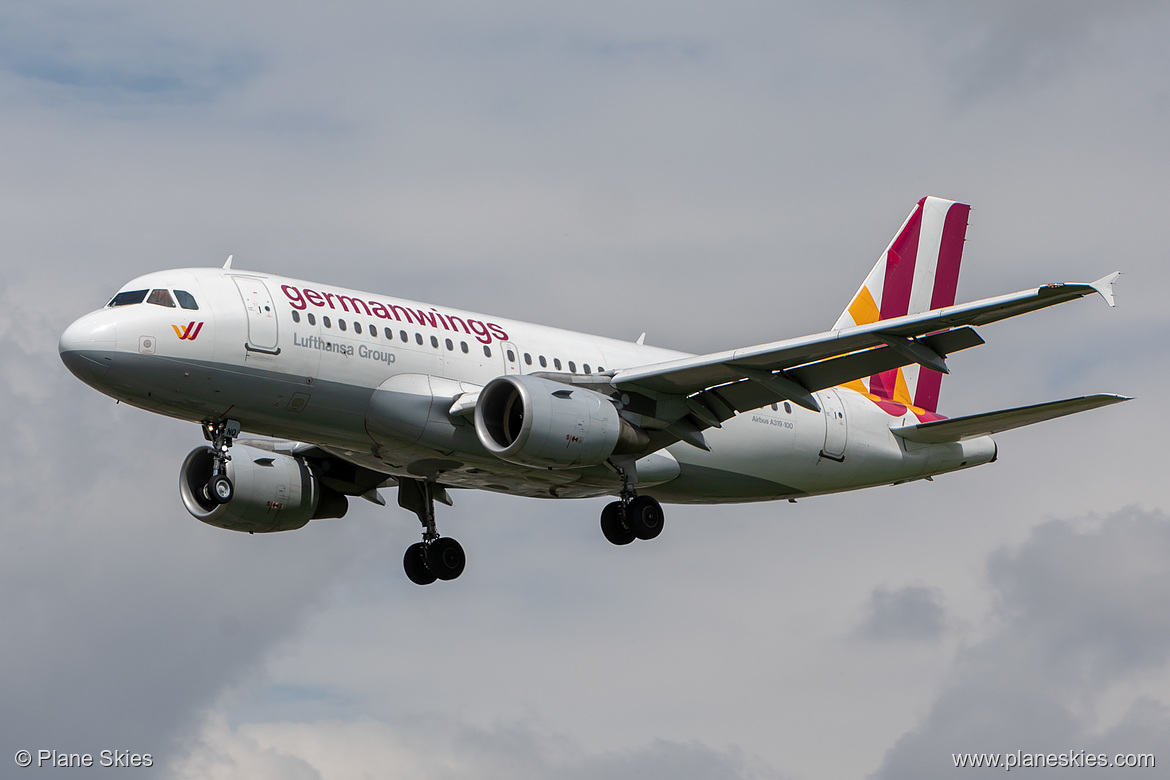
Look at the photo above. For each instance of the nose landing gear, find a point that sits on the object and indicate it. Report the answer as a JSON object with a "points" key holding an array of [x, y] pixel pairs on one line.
{"points": [[219, 488], [435, 557]]}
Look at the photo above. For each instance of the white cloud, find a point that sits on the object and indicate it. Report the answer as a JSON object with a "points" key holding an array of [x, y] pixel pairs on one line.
{"points": [[437, 749]]}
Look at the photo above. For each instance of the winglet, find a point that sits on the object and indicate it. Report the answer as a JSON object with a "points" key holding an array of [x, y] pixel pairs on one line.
{"points": [[1104, 286], [228, 265]]}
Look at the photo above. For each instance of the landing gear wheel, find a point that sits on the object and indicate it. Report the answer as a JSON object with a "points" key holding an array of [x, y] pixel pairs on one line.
{"points": [[445, 558], [613, 525], [644, 517], [415, 563], [220, 489]]}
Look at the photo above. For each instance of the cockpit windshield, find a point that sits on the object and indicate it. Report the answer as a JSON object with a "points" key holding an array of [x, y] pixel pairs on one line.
{"points": [[161, 298], [128, 298], [157, 297]]}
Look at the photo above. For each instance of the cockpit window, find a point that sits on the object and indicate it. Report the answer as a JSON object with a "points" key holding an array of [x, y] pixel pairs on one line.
{"points": [[129, 297], [186, 299], [161, 298]]}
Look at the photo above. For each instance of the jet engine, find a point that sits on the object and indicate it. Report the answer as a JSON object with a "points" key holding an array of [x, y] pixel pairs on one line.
{"points": [[538, 422], [273, 491]]}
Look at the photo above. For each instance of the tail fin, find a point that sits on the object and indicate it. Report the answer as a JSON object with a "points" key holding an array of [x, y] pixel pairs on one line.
{"points": [[919, 271]]}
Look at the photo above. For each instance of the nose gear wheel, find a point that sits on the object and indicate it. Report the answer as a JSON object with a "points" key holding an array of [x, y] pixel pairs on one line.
{"points": [[219, 488]]}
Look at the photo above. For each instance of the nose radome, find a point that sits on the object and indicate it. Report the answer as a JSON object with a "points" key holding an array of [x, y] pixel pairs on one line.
{"points": [[87, 346]]}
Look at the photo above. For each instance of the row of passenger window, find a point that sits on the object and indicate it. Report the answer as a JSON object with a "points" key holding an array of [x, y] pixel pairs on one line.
{"points": [[404, 337]]}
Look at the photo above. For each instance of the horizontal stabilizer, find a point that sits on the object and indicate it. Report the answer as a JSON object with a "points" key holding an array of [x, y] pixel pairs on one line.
{"points": [[985, 424]]}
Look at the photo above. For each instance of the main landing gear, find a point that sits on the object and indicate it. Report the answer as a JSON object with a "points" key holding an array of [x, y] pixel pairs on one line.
{"points": [[632, 516], [219, 488], [435, 557]]}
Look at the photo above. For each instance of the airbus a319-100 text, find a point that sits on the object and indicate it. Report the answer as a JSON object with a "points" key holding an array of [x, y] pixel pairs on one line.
{"points": [[356, 391]]}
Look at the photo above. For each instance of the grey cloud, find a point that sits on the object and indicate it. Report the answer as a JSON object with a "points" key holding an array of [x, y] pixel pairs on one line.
{"points": [[113, 56], [912, 612], [1078, 611], [998, 45]]}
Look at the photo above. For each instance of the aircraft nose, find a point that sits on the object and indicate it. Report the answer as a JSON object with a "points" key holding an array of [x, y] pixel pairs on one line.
{"points": [[87, 346]]}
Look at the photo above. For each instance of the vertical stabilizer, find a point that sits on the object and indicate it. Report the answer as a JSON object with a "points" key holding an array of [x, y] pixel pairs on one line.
{"points": [[919, 271]]}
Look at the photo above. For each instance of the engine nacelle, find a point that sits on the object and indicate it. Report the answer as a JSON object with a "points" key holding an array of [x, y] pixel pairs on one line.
{"points": [[273, 491], [537, 422]]}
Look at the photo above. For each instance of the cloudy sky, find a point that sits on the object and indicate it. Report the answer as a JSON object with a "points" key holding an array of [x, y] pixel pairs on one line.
{"points": [[716, 174]]}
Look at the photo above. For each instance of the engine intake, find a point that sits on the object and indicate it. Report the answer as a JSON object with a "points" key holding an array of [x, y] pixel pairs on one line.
{"points": [[273, 491], [532, 421]]}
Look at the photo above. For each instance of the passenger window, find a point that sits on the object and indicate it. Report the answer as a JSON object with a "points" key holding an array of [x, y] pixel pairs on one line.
{"points": [[450, 346], [161, 298], [587, 371], [296, 315], [435, 342], [527, 359], [572, 367], [463, 346], [787, 408], [418, 338], [511, 356], [557, 363], [312, 318], [373, 330], [357, 328], [341, 324], [775, 408], [325, 322], [390, 334], [487, 351], [128, 298], [543, 362], [186, 300]]}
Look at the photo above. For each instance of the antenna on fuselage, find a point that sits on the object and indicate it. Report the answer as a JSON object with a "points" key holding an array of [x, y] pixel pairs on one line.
{"points": [[228, 265], [641, 340]]}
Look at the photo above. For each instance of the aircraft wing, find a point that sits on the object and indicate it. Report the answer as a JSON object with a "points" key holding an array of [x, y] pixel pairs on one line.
{"points": [[901, 334], [686, 395], [960, 428]]}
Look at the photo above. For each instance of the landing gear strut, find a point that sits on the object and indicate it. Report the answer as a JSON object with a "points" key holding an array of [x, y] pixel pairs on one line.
{"points": [[435, 557], [632, 516], [219, 488]]}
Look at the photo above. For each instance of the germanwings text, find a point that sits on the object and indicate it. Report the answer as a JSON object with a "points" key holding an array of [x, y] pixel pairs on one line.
{"points": [[483, 332]]}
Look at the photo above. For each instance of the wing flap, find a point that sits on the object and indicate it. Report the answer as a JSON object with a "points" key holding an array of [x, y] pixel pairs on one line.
{"points": [[746, 395], [985, 424]]}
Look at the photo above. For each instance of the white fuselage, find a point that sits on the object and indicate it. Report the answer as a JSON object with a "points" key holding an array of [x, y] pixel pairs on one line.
{"points": [[372, 379]]}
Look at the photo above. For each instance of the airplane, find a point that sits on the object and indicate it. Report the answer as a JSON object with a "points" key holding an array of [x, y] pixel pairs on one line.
{"points": [[356, 391]]}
